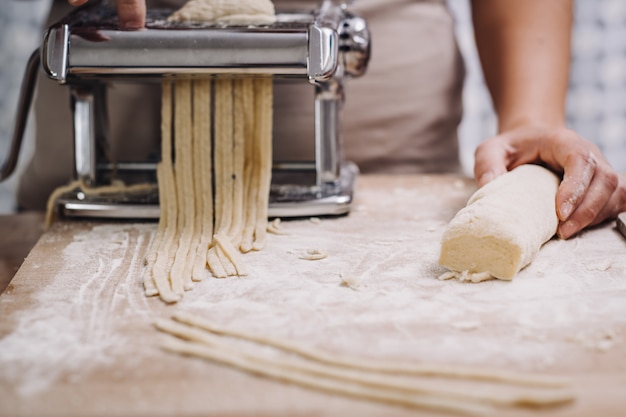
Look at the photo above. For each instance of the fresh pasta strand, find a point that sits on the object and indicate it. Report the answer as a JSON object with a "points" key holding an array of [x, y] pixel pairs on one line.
{"points": [[368, 379], [231, 270], [114, 188], [239, 132], [263, 121], [180, 274], [223, 154], [215, 264], [323, 384], [203, 173], [167, 201], [212, 209], [228, 235], [231, 252], [224, 169], [377, 366], [250, 180], [161, 266]]}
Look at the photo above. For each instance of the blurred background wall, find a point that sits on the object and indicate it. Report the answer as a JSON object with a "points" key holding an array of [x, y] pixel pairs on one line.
{"points": [[20, 33], [596, 103]]}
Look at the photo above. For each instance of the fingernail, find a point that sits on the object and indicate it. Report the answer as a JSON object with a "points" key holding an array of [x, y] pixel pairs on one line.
{"points": [[566, 210], [567, 229]]}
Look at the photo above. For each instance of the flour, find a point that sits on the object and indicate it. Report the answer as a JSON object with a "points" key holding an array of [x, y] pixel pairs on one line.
{"points": [[466, 325], [601, 340], [58, 335], [398, 311]]}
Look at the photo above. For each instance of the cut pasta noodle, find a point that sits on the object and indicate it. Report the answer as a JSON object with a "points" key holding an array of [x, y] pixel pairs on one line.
{"points": [[82, 186], [204, 227], [351, 377], [327, 385], [163, 253], [374, 366], [185, 198], [201, 225], [214, 198]]}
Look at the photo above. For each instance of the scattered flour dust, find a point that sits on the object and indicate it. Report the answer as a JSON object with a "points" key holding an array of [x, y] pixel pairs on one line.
{"points": [[599, 340], [57, 335], [401, 311]]}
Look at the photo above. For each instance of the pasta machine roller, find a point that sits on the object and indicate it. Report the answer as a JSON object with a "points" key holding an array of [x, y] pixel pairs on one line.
{"points": [[314, 48]]}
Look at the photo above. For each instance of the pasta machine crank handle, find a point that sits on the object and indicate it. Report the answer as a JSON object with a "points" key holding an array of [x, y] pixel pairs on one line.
{"points": [[27, 92]]}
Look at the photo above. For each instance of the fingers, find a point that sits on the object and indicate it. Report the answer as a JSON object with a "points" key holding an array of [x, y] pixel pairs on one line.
{"points": [[590, 192], [587, 196], [490, 160], [578, 174], [506, 151], [131, 13]]}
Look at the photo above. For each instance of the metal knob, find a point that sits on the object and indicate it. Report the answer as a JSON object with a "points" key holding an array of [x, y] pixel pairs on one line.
{"points": [[354, 45]]}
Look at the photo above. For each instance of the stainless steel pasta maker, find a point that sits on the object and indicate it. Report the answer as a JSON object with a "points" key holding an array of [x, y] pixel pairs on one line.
{"points": [[319, 46]]}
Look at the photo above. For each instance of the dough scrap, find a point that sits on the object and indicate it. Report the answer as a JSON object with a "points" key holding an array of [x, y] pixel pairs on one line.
{"points": [[314, 255], [503, 225], [275, 227], [238, 12]]}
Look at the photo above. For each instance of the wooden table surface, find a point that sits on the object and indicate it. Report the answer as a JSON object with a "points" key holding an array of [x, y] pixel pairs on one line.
{"points": [[18, 234], [76, 337]]}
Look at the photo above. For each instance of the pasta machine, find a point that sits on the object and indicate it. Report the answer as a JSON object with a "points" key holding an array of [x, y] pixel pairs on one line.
{"points": [[312, 49]]}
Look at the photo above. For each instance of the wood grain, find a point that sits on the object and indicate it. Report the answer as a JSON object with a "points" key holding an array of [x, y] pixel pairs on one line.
{"points": [[76, 334], [18, 235]]}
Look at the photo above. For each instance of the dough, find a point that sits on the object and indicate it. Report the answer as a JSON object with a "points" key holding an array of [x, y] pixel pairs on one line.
{"points": [[314, 255], [185, 196], [232, 12], [371, 365], [351, 377], [116, 187], [504, 224], [211, 209]]}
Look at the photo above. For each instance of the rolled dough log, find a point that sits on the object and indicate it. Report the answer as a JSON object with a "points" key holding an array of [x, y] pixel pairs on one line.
{"points": [[504, 224]]}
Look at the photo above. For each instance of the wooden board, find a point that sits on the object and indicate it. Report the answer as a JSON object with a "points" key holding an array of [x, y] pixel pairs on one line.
{"points": [[76, 337], [18, 235], [621, 223]]}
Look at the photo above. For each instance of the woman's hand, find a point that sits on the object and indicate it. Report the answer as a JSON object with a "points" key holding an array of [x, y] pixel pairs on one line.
{"points": [[131, 13], [591, 191]]}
